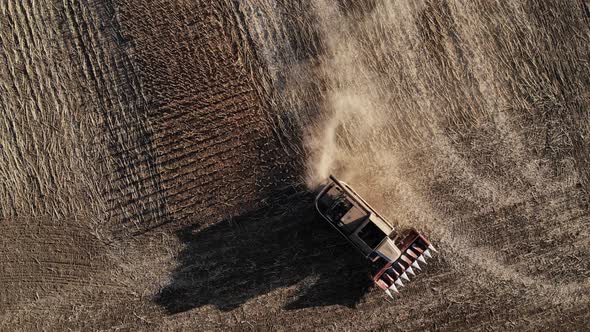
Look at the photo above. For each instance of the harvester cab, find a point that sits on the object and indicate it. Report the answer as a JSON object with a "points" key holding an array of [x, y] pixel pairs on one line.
{"points": [[393, 256]]}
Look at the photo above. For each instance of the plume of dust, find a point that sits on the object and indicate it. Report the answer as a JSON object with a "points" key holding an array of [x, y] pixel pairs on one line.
{"points": [[343, 139], [336, 143]]}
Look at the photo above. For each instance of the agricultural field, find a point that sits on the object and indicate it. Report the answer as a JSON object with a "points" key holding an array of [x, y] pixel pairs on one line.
{"points": [[158, 162]]}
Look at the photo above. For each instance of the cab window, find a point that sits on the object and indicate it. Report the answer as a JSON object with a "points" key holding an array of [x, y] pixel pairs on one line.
{"points": [[371, 235]]}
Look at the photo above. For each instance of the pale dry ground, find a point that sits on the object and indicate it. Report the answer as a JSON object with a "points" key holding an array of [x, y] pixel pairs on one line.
{"points": [[141, 141]]}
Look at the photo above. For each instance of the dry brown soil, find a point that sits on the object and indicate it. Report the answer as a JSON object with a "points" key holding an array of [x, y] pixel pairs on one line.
{"points": [[157, 160]]}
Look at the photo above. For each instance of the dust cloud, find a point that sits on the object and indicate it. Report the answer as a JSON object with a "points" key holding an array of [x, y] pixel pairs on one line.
{"points": [[352, 131]]}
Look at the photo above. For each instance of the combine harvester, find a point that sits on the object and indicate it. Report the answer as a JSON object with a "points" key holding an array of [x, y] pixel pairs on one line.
{"points": [[393, 256]]}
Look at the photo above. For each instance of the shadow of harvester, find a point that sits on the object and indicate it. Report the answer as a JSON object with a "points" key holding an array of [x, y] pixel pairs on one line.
{"points": [[238, 259]]}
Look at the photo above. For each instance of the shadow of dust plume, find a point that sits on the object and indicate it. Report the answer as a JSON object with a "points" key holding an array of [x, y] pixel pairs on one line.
{"points": [[281, 245]]}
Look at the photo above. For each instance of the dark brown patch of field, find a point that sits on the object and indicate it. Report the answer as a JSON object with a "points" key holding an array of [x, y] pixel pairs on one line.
{"points": [[275, 247], [212, 142]]}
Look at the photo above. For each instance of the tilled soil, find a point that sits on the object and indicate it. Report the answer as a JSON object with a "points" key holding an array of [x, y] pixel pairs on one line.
{"points": [[155, 156]]}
